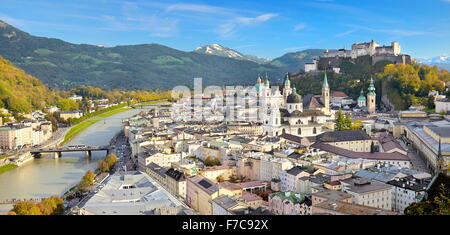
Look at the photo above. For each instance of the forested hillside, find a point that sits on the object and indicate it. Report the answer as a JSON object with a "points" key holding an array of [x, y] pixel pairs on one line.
{"points": [[21, 92]]}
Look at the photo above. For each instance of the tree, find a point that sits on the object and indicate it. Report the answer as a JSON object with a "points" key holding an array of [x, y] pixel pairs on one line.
{"points": [[439, 205], [347, 122], [340, 120], [86, 181], [356, 125], [103, 166], [26, 208], [89, 177], [111, 160], [66, 104], [343, 122], [210, 161], [430, 102], [107, 164], [442, 202], [220, 178]]}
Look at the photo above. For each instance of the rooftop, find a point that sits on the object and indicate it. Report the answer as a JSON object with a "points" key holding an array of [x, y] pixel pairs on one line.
{"points": [[205, 184], [352, 209], [131, 193], [332, 195], [350, 154], [411, 183], [337, 136], [225, 202], [361, 185]]}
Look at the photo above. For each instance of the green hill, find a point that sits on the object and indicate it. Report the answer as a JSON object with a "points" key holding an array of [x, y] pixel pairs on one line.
{"points": [[65, 65], [295, 61], [21, 92]]}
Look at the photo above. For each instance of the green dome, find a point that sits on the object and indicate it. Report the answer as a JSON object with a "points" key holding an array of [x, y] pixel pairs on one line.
{"points": [[294, 98], [362, 97], [267, 83]]}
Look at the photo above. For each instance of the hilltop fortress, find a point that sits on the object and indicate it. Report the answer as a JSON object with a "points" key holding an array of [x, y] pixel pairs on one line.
{"points": [[331, 60], [371, 48]]}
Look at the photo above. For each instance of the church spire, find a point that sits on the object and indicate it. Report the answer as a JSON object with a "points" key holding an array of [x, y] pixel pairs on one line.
{"points": [[325, 80], [259, 79], [287, 81], [371, 86]]}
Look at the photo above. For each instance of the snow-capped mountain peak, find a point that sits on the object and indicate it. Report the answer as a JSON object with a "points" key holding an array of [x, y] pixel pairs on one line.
{"points": [[219, 50]]}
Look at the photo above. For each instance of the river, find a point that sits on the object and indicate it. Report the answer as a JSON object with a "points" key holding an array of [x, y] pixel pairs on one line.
{"points": [[49, 176]]}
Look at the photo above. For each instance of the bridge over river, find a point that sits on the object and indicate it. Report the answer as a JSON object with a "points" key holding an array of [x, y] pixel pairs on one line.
{"points": [[59, 150], [16, 200]]}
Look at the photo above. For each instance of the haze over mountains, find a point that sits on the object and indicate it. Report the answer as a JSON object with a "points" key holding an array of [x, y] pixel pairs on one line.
{"points": [[64, 65], [442, 61]]}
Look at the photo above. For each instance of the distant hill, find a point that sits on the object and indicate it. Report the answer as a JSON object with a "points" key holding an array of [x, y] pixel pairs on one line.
{"points": [[295, 61], [216, 49], [21, 92], [64, 65]]}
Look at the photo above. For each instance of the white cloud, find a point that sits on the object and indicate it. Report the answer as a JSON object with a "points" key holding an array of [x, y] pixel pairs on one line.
{"points": [[197, 8], [396, 32], [345, 33], [229, 28], [11, 21], [299, 27], [295, 48]]}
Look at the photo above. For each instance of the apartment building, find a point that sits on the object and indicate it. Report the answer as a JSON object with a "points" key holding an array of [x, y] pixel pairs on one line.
{"points": [[200, 192], [354, 140], [176, 182], [408, 190], [369, 193], [13, 137]]}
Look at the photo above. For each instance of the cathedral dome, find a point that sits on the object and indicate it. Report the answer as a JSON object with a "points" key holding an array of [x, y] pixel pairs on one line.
{"points": [[294, 98], [362, 97]]}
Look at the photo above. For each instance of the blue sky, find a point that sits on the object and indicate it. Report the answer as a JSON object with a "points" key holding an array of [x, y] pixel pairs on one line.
{"points": [[263, 28]]}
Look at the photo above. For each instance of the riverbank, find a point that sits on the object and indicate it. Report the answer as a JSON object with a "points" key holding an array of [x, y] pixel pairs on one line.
{"points": [[75, 130], [7, 167]]}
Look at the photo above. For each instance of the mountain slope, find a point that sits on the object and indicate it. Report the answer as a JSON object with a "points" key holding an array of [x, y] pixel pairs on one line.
{"points": [[21, 92], [65, 65], [216, 49], [295, 61]]}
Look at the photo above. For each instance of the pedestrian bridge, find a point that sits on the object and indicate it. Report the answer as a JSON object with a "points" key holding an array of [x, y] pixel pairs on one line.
{"points": [[59, 150]]}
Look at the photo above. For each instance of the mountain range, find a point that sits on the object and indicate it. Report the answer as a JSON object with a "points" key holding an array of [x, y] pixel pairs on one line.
{"points": [[65, 65], [442, 61]]}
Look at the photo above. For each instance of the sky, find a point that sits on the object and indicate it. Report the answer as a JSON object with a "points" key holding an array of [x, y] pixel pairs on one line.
{"points": [[265, 28]]}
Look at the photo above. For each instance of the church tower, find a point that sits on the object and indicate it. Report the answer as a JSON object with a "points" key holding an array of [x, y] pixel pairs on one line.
{"points": [[326, 95], [371, 98], [287, 88]]}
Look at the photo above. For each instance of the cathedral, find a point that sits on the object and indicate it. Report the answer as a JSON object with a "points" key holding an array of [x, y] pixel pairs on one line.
{"points": [[285, 111]]}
